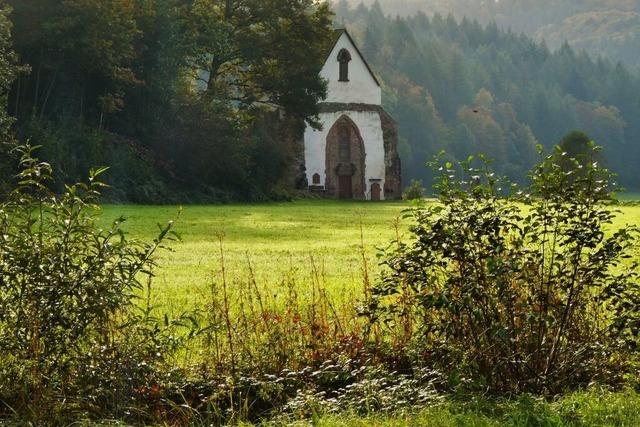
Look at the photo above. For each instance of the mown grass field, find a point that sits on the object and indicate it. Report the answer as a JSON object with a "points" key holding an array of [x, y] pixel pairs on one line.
{"points": [[582, 409], [283, 242]]}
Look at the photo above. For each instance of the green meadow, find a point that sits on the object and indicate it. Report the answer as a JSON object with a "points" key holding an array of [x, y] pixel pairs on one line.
{"points": [[279, 244], [287, 242]]}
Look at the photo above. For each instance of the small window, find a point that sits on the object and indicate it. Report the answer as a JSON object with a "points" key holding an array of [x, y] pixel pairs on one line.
{"points": [[344, 57], [316, 179]]}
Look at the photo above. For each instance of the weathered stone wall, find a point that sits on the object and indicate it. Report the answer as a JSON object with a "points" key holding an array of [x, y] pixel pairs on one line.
{"points": [[369, 126], [291, 135], [393, 167], [353, 94]]}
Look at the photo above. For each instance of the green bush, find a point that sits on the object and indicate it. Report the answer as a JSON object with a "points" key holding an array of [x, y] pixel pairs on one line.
{"points": [[536, 296], [135, 175], [415, 191], [73, 336]]}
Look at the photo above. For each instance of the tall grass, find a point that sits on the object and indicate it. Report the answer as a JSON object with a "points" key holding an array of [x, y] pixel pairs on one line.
{"points": [[266, 329]]}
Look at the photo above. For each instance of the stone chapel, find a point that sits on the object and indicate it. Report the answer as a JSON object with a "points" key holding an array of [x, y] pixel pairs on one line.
{"points": [[355, 154]]}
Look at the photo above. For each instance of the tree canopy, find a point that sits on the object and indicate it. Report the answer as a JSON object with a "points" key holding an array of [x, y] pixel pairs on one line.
{"points": [[462, 87], [205, 100], [607, 28], [186, 89]]}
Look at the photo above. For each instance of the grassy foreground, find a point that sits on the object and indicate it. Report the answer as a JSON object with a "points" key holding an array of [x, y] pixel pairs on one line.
{"points": [[578, 409], [291, 242]]}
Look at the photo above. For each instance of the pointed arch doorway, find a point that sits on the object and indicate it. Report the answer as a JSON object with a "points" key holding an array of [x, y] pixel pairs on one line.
{"points": [[345, 160]]}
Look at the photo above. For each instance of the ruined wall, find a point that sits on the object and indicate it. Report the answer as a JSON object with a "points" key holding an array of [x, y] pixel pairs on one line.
{"points": [[353, 94], [369, 125], [291, 136], [393, 167]]}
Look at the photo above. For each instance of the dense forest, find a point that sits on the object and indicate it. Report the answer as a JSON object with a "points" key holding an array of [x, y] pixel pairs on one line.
{"points": [[608, 28], [184, 100], [204, 100], [464, 88]]}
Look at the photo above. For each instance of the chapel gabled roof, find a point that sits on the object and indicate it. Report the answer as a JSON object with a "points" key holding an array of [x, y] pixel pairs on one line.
{"points": [[336, 36]]}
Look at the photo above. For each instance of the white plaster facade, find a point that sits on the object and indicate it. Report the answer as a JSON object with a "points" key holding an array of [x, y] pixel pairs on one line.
{"points": [[370, 128], [347, 98], [362, 87]]}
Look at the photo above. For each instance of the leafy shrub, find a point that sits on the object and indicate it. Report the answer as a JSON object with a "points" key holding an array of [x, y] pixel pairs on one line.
{"points": [[135, 175], [415, 191], [533, 296], [70, 322]]}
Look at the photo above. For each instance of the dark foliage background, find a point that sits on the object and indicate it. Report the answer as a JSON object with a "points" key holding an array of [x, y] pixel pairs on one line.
{"points": [[185, 100], [182, 98], [607, 28], [467, 88]]}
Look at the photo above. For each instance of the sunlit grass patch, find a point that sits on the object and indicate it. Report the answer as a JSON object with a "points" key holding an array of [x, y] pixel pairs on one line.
{"points": [[279, 240]]}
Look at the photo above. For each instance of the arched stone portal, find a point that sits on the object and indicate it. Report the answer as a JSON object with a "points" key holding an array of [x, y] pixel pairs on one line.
{"points": [[345, 161]]}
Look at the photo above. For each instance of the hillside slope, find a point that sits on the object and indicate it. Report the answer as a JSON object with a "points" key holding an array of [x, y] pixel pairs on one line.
{"points": [[465, 88], [610, 28]]}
